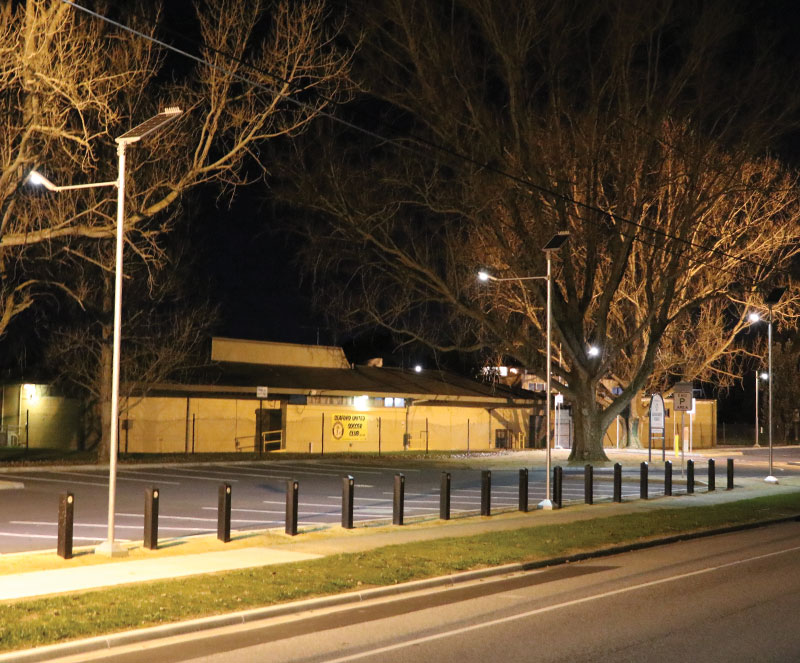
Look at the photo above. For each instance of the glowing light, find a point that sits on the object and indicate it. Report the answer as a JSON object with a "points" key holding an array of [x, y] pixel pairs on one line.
{"points": [[483, 276], [418, 368], [361, 402], [30, 392], [754, 317], [594, 351]]}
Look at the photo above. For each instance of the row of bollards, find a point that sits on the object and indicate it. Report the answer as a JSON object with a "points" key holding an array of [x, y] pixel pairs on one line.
{"points": [[150, 540]]}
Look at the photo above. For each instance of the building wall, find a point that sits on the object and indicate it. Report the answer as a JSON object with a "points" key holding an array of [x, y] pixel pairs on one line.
{"points": [[277, 354], [167, 425], [32, 417]]}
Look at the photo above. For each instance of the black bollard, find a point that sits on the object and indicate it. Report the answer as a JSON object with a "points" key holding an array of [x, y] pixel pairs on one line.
{"points": [[730, 473], [292, 494], [643, 481], [558, 483], [588, 484], [444, 496], [486, 493], [150, 518], [347, 501], [523, 490], [712, 475], [689, 477], [399, 499], [668, 478], [224, 512], [66, 505], [617, 482]]}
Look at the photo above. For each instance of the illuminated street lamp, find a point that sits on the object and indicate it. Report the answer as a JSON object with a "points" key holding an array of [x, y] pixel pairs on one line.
{"points": [[554, 244], [594, 351], [110, 547], [770, 300]]}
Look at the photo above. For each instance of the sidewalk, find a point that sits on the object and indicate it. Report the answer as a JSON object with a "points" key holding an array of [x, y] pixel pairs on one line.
{"points": [[335, 540]]}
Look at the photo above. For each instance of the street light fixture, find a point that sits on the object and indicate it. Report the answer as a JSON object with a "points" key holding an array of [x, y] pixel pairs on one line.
{"points": [[770, 300], [110, 547], [554, 244], [594, 351]]}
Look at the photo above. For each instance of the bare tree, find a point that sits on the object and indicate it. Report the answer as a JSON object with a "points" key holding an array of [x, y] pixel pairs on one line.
{"points": [[70, 83], [614, 121]]}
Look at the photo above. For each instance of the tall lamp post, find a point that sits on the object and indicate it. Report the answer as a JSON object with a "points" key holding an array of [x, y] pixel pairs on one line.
{"points": [[554, 244], [770, 300], [762, 376], [110, 547]]}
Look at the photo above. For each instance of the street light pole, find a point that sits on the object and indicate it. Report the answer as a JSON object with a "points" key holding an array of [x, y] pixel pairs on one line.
{"points": [[770, 477], [110, 547], [757, 377], [554, 244]]}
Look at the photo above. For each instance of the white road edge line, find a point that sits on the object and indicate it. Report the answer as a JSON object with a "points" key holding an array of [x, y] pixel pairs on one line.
{"points": [[550, 608]]}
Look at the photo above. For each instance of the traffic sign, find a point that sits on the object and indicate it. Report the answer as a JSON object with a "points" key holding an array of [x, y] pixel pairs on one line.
{"points": [[682, 397]]}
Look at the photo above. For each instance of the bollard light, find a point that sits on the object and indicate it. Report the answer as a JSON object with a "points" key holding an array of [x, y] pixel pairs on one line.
{"points": [[65, 525], [668, 478], [348, 483], [150, 518], [444, 496], [292, 504], [617, 482], [643, 489], [523, 490], [399, 499], [224, 513], [558, 482], [486, 493], [689, 477], [730, 473], [588, 484], [712, 475]]}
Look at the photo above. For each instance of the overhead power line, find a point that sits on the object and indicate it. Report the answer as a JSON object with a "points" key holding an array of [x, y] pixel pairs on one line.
{"points": [[518, 179]]}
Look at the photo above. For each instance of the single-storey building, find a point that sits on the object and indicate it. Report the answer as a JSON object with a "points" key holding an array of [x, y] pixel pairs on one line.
{"points": [[303, 398]]}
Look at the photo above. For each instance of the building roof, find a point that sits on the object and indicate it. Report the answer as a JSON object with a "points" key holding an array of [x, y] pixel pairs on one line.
{"points": [[242, 379]]}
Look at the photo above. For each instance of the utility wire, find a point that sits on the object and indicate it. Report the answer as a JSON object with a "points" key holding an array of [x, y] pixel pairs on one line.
{"points": [[436, 147]]}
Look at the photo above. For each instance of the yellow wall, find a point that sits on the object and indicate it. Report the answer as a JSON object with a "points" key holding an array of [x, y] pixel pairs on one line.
{"points": [[160, 424], [703, 427], [32, 417]]}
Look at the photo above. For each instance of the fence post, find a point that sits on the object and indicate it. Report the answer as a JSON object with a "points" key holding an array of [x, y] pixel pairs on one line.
{"points": [[643, 481], [617, 482], [292, 490], [689, 476], [399, 499], [712, 475], [65, 521], [151, 518], [444, 496], [588, 484], [668, 478], [224, 512], [486, 493], [523, 489], [730, 473], [347, 501], [558, 479]]}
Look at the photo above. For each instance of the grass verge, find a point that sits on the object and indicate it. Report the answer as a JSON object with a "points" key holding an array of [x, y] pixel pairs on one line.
{"points": [[35, 622]]}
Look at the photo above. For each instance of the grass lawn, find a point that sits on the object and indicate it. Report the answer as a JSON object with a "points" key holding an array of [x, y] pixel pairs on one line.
{"points": [[33, 622]]}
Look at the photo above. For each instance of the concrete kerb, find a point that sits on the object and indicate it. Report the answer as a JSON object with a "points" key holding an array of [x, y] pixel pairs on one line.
{"points": [[153, 634]]}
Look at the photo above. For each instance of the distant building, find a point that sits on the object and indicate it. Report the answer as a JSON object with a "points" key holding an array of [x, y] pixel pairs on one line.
{"points": [[303, 398]]}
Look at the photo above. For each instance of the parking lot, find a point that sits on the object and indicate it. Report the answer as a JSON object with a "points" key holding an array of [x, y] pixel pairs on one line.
{"points": [[188, 497]]}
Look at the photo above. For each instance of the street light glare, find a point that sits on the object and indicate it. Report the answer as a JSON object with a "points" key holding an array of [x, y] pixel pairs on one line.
{"points": [[754, 317], [418, 368], [764, 376], [594, 351], [483, 276]]}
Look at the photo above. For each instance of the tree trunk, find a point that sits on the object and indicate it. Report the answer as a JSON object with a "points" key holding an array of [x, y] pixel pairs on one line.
{"points": [[104, 373], [590, 427]]}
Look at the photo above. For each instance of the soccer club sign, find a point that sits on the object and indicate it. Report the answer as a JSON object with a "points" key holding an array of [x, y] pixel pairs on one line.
{"points": [[349, 427]]}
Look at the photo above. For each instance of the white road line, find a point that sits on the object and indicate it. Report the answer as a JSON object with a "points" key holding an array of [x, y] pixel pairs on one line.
{"points": [[178, 476], [190, 518], [49, 536], [71, 482], [551, 608], [105, 525], [289, 470], [360, 469], [119, 478]]}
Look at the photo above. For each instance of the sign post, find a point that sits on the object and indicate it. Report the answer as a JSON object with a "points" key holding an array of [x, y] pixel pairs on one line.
{"points": [[682, 402], [656, 425]]}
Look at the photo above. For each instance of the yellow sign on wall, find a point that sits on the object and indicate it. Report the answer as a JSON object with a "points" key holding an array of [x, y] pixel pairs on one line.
{"points": [[349, 427]]}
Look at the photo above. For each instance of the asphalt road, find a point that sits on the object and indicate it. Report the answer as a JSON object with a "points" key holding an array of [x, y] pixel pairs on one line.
{"points": [[188, 497], [728, 598]]}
